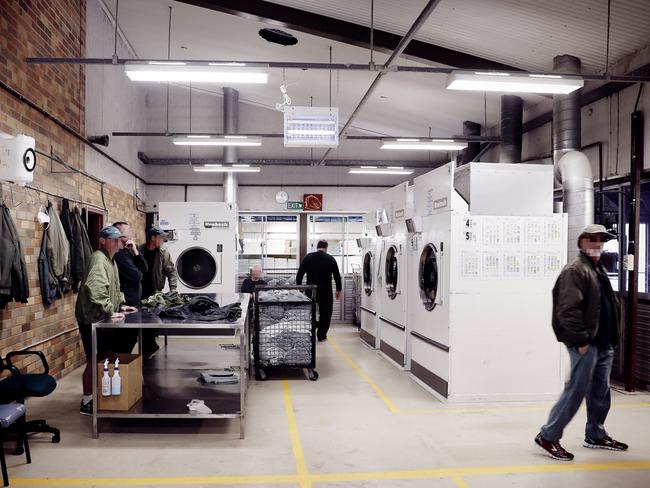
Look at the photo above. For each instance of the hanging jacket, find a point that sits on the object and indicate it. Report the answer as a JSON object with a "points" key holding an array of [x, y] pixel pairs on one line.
{"points": [[99, 295], [50, 290], [82, 250], [58, 248], [66, 222], [14, 284]]}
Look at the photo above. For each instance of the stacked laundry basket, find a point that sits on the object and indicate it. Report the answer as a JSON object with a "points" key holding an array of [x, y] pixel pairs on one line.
{"points": [[284, 333]]}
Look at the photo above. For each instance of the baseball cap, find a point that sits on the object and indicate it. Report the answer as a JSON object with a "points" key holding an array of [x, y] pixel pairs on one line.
{"points": [[154, 230], [110, 232], [597, 229]]}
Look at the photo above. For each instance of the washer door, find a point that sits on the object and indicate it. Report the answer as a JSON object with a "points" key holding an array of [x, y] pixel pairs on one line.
{"points": [[428, 276], [196, 267], [367, 273], [391, 272]]}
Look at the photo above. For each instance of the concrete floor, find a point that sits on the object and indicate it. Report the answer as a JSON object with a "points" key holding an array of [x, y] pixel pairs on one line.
{"points": [[362, 424]]}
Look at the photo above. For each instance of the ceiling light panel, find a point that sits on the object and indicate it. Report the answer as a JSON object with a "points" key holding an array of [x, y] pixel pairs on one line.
{"points": [[311, 126], [513, 82], [380, 171], [170, 71], [423, 144], [218, 168], [218, 141]]}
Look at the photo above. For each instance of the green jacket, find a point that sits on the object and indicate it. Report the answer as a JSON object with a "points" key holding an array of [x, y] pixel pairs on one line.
{"points": [[163, 267], [99, 295]]}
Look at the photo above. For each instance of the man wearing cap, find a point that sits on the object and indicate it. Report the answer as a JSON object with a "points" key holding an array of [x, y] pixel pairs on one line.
{"points": [[585, 319], [99, 298], [159, 268]]}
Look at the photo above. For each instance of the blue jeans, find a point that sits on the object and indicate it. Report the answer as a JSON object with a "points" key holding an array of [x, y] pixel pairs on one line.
{"points": [[589, 379]]}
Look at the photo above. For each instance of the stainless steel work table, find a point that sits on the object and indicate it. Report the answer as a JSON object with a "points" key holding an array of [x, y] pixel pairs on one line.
{"points": [[170, 378]]}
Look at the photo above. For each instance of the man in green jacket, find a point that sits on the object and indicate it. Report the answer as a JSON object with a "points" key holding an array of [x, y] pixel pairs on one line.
{"points": [[99, 298], [160, 268]]}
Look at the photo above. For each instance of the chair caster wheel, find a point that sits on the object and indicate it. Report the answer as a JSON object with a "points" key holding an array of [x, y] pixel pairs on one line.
{"points": [[56, 439]]}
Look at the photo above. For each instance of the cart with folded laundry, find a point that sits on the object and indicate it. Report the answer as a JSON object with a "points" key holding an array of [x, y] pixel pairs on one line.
{"points": [[284, 333]]}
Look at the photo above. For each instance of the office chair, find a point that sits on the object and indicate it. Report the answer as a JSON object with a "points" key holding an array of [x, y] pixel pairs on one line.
{"points": [[12, 420], [19, 386]]}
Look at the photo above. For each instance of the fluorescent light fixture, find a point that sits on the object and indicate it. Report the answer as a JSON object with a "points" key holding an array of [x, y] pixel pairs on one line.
{"points": [[424, 144], [380, 171], [312, 132], [513, 82], [369, 167], [227, 64], [170, 71], [218, 168], [311, 126], [217, 141]]}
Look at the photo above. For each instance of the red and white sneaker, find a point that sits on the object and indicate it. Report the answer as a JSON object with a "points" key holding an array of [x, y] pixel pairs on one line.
{"points": [[553, 449], [605, 443]]}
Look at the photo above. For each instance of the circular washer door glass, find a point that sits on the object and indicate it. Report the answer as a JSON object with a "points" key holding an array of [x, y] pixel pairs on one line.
{"points": [[196, 267], [428, 276], [391, 270], [367, 273]]}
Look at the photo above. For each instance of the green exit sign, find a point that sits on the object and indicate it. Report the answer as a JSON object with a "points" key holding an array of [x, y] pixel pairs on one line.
{"points": [[294, 206]]}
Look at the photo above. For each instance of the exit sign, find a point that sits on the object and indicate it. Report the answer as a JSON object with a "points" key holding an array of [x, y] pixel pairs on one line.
{"points": [[294, 206]]}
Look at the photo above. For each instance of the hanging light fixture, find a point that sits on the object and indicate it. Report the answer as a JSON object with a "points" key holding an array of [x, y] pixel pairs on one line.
{"points": [[183, 72], [230, 140], [425, 144], [513, 82], [374, 170], [233, 168]]}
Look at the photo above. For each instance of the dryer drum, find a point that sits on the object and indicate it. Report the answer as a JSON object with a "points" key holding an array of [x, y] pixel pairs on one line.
{"points": [[428, 276], [367, 273], [196, 267], [391, 270]]}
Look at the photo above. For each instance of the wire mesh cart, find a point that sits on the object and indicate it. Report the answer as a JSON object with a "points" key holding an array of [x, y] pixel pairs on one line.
{"points": [[284, 333]]}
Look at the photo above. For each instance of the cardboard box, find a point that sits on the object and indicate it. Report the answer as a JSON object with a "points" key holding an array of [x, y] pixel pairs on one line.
{"points": [[131, 391]]}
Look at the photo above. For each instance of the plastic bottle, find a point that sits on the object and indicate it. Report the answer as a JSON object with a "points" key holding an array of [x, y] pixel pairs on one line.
{"points": [[116, 382], [106, 381]]}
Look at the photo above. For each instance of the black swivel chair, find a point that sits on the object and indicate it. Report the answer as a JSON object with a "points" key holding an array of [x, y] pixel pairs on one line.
{"points": [[19, 386]]}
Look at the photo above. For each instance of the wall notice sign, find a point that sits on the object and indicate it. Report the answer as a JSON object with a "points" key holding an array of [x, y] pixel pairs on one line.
{"points": [[312, 202], [294, 206]]}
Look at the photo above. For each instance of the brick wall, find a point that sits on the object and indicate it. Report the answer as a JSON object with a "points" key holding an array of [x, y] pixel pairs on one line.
{"points": [[48, 28]]}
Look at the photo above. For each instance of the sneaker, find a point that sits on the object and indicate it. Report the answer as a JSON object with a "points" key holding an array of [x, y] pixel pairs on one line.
{"points": [[323, 339], [605, 443], [86, 408], [553, 449]]}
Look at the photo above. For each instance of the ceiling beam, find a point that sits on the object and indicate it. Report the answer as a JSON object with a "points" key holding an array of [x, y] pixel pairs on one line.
{"points": [[345, 32]]}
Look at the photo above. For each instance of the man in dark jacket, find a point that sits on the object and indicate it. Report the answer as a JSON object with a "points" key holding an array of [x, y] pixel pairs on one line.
{"points": [[132, 266], [585, 319], [320, 267], [248, 285]]}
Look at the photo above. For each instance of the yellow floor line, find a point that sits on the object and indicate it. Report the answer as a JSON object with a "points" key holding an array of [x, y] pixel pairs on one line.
{"points": [[296, 446], [455, 474], [460, 482], [393, 408], [364, 376]]}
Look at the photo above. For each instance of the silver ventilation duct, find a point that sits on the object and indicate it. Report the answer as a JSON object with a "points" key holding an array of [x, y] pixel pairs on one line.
{"points": [[512, 114], [572, 168], [473, 148], [230, 126]]}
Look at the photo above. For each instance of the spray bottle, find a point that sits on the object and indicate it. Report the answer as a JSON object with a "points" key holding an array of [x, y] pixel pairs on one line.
{"points": [[116, 383], [106, 381]]}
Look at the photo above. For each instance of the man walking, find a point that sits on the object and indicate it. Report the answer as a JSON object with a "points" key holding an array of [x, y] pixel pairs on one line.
{"points": [[99, 298], [159, 268], [320, 267], [585, 319]]}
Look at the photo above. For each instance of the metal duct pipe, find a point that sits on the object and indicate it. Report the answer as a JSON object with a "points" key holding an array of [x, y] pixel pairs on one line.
{"points": [[473, 148], [572, 168], [230, 126], [512, 118]]}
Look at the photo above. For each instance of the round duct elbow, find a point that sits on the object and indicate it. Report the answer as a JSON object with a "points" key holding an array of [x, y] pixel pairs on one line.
{"points": [[573, 169]]}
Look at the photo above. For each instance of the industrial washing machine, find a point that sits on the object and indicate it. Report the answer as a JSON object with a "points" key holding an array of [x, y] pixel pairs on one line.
{"points": [[392, 318], [202, 244], [486, 251], [370, 259]]}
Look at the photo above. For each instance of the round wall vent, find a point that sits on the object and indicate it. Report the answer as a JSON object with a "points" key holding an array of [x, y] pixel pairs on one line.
{"points": [[277, 36]]}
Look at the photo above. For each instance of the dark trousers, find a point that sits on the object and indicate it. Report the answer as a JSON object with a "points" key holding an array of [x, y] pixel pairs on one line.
{"points": [[589, 379], [325, 305]]}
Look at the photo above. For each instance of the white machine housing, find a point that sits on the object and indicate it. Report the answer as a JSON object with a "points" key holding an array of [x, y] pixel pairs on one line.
{"points": [[202, 244], [481, 327], [17, 158], [370, 259], [392, 317]]}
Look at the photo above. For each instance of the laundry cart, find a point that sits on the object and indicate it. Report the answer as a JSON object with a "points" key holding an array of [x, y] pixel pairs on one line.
{"points": [[284, 333]]}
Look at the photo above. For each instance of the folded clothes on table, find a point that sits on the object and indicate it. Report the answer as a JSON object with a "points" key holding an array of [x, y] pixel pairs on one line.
{"points": [[220, 377], [202, 309]]}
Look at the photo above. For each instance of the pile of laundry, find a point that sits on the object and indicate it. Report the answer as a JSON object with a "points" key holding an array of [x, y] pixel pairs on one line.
{"points": [[282, 296], [198, 308], [285, 336]]}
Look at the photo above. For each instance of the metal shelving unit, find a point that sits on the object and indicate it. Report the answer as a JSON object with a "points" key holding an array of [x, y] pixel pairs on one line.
{"points": [[170, 379]]}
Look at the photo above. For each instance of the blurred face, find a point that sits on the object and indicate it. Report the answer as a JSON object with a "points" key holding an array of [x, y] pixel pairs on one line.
{"points": [[256, 274], [592, 246], [157, 241], [126, 233], [110, 245]]}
